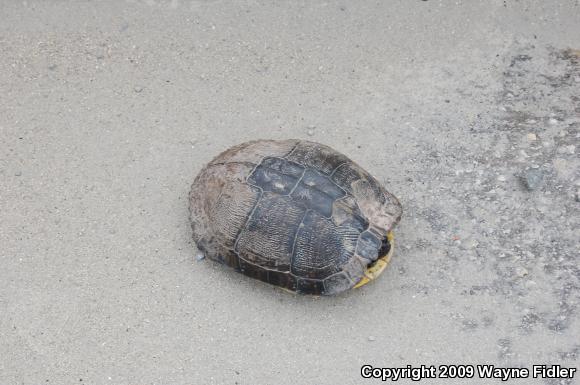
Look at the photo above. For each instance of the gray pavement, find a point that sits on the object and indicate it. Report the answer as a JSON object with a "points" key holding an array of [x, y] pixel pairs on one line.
{"points": [[468, 111]]}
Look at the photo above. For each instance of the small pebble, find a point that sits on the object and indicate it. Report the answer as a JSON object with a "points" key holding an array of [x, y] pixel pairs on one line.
{"points": [[571, 149], [310, 130], [521, 271], [501, 178], [372, 338], [530, 284], [532, 137], [532, 178], [138, 89], [472, 244], [553, 121], [200, 257], [563, 167], [577, 79], [18, 173]]}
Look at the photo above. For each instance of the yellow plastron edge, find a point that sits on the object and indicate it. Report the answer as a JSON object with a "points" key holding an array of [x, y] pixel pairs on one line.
{"points": [[377, 268]]}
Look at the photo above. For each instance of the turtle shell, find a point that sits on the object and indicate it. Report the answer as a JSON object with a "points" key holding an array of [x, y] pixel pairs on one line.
{"points": [[296, 214]]}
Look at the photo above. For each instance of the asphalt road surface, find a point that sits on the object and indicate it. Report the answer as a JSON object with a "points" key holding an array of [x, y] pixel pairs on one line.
{"points": [[468, 111]]}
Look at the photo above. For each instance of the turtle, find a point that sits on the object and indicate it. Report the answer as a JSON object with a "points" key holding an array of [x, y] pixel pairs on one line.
{"points": [[294, 213]]}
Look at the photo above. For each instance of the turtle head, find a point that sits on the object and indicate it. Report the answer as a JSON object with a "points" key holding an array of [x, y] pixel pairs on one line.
{"points": [[377, 267]]}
